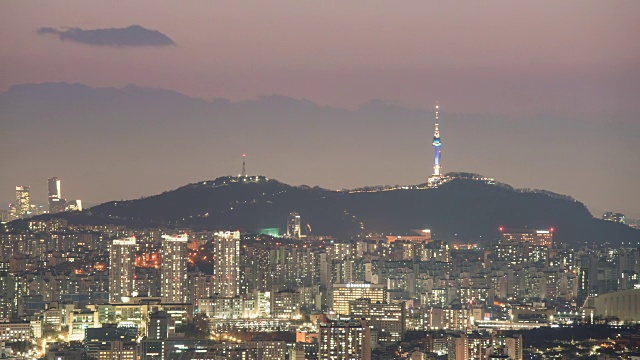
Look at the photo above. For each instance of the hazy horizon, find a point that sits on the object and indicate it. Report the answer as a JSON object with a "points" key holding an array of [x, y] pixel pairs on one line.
{"points": [[540, 94]]}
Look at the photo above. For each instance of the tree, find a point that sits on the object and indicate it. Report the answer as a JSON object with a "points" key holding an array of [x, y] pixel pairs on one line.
{"points": [[48, 330], [196, 329]]}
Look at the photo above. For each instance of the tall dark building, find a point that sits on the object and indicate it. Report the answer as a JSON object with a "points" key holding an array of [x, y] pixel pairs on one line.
{"points": [[56, 202], [158, 326], [583, 285]]}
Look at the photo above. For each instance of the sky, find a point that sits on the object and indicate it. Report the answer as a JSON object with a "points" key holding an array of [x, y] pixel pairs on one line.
{"points": [[574, 62]]}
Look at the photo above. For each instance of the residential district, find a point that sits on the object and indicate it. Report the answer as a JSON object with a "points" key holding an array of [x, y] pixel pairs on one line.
{"points": [[108, 292]]}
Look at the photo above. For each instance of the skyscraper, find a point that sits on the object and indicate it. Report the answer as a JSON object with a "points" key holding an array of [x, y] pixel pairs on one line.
{"points": [[345, 340], [22, 201], [54, 188], [226, 247], [174, 268], [293, 225], [121, 269], [56, 202], [436, 177]]}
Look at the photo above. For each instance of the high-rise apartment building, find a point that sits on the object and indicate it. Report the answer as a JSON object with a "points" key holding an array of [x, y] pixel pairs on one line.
{"points": [[226, 247], [174, 268], [22, 201], [344, 294], [121, 269], [293, 225], [345, 340]]}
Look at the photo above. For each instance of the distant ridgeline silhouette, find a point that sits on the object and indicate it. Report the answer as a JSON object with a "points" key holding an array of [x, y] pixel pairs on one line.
{"points": [[468, 207]]}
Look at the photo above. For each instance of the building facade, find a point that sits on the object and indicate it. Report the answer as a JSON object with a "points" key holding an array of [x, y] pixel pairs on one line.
{"points": [[227, 262], [174, 268], [343, 294], [121, 269], [345, 340]]}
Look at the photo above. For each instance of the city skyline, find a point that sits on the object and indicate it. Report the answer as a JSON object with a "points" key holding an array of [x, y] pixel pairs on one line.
{"points": [[292, 180]]}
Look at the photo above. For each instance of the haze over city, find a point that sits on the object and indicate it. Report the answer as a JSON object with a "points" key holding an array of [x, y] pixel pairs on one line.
{"points": [[537, 95]]}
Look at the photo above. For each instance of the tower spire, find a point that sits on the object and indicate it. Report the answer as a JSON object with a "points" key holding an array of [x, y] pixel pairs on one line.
{"points": [[244, 169], [436, 177]]}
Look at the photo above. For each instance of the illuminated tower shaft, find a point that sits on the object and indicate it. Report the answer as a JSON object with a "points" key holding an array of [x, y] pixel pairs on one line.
{"points": [[437, 168]]}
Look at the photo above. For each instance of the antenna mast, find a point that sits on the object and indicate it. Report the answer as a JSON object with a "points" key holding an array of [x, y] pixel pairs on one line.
{"points": [[244, 169]]}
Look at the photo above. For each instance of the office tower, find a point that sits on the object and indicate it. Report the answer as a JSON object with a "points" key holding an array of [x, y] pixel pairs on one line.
{"points": [[54, 195], [345, 340], [22, 201], [343, 294], [121, 269], [56, 202], [436, 177], [226, 247], [54, 188], [174, 268], [293, 225]]}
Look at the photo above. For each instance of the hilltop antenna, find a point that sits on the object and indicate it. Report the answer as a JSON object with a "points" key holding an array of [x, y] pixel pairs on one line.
{"points": [[244, 169]]}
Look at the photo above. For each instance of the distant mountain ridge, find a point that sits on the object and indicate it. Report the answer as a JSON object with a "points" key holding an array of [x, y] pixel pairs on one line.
{"points": [[462, 208], [135, 140]]}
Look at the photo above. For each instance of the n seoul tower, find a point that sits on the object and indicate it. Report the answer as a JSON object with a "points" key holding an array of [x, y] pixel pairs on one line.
{"points": [[436, 178]]}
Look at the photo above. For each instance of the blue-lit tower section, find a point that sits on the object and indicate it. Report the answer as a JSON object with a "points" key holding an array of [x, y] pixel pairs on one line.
{"points": [[437, 168]]}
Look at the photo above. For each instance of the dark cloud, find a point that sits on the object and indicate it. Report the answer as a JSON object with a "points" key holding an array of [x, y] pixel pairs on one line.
{"points": [[131, 36]]}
